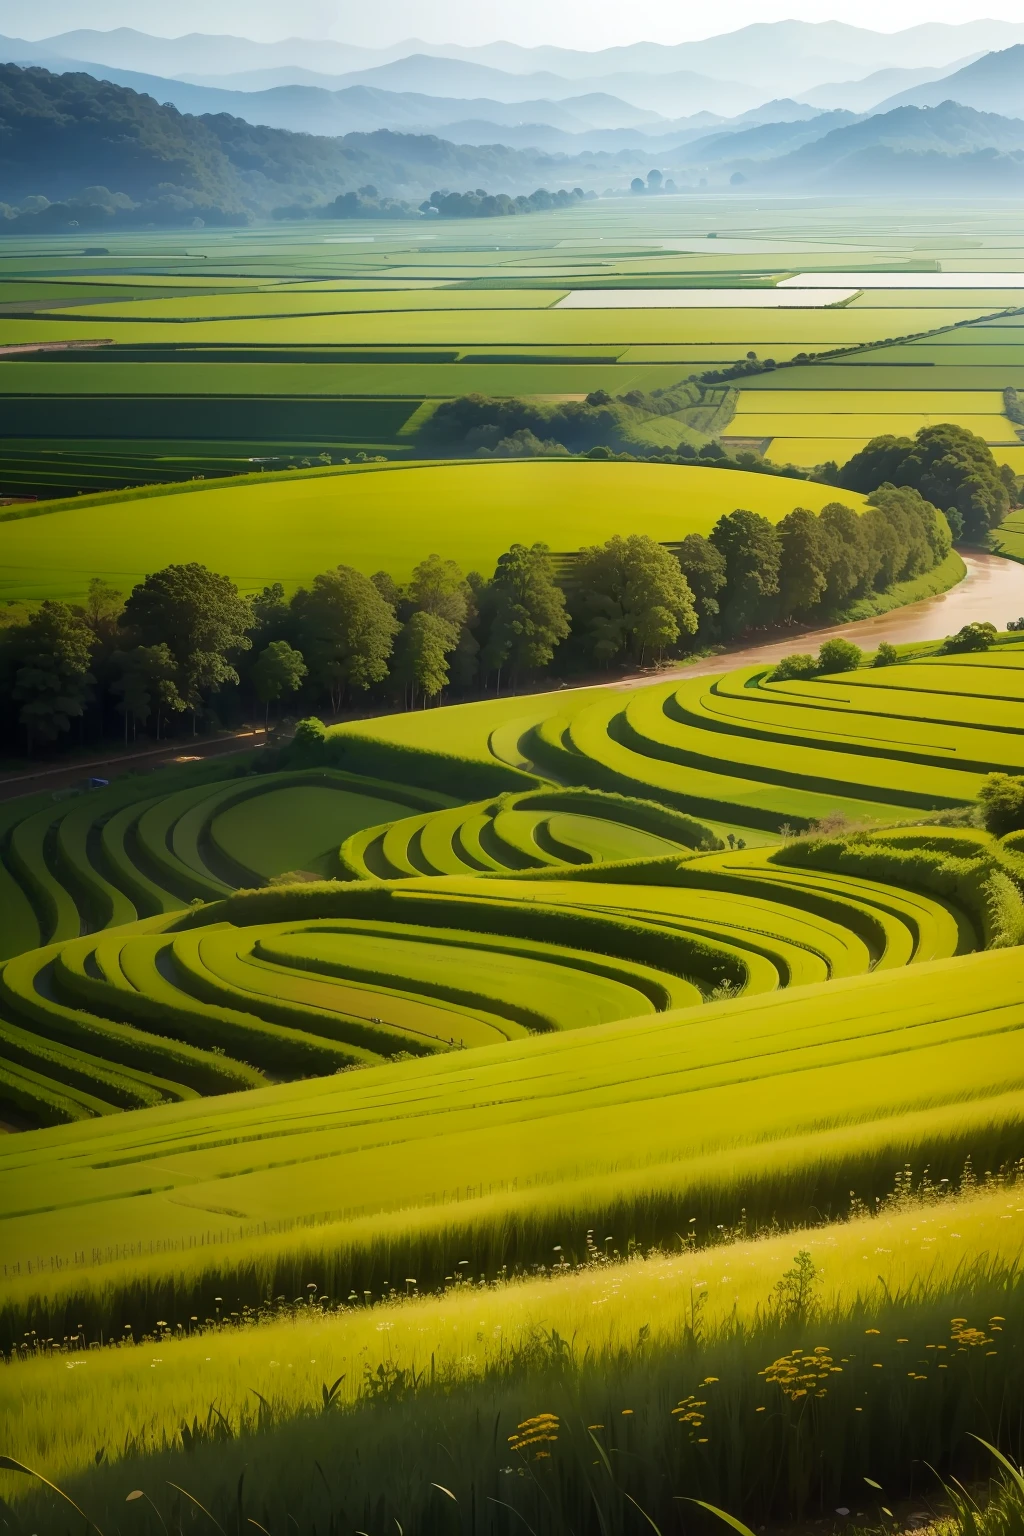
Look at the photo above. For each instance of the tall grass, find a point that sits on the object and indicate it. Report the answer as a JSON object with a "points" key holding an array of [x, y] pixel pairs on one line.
{"points": [[63, 1408], [779, 1408]]}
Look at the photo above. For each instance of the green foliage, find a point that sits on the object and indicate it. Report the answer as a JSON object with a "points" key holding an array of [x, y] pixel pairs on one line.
{"points": [[752, 551], [704, 568], [800, 664], [50, 657], [279, 670], [839, 656], [971, 638], [346, 630], [146, 676], [424, 646], [886, 655], [805, 563], [1001, 798], [526, 610], [200, 617], [950, 466], [310, 734], [631, 599], [484, 205]]}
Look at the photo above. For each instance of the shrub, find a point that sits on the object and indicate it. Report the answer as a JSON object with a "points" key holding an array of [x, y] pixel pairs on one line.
{"points": [[886, 655], [839, 656], [799, 665], [1001, 798], [309, 734], [973, 637]]}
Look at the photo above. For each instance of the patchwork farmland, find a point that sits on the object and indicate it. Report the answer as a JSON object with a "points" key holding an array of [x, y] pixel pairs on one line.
{"points": [[570, 1100]]}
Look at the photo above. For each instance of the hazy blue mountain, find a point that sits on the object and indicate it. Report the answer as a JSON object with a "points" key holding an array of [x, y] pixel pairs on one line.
{"points": [[776, 58], [994, 83], [909, 149], [766, 141], [364, 109], [883, 87]]}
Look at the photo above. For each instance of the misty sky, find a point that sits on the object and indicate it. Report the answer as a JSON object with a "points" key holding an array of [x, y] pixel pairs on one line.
{"points": [[569, 23]]}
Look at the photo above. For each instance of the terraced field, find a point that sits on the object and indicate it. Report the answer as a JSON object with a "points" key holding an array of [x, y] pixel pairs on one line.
{"points": [[872, 745], [135, 975], [795, 1095]]}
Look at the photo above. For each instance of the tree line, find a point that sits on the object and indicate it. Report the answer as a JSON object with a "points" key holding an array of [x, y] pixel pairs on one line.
{"points": [[185, 644]]}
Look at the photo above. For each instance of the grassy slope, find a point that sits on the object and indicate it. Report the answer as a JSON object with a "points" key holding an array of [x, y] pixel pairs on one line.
{"points": [[65, 1414], [293, 527], [771, 1102]]}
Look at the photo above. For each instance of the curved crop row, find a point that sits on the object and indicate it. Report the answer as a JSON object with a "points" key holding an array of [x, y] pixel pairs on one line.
{"points": [[536, 829], [748, 752], [74, 866], [292, 981]]}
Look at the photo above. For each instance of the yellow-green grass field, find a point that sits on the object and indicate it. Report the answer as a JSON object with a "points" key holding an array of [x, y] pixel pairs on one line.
{"points": [[300, 301], [380, 518], [808, 426], [761, 331], [61, 1409]]}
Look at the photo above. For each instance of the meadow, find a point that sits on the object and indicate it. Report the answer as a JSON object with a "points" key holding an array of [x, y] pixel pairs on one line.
{"points": [[381, 517]]}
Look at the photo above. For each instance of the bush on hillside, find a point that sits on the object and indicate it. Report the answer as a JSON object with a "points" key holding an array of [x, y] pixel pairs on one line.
{"points": [[839, 656], [1001, 799], [886, 655], [800, 664], [972, 637]]}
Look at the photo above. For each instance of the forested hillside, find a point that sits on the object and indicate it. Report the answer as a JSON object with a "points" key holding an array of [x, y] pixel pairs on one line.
{"points": [[116, 157]]}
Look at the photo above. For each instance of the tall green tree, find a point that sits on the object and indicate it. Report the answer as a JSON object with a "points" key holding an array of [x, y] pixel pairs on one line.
{"points": [[439, 587], [200, 617], [633, 599], [527, 613], [704, 568], [144, 681], [849, 560], [752, 551], [424, 646], [103, 606], [346, 632], [804, 563], [279, 670], [53, 682]]}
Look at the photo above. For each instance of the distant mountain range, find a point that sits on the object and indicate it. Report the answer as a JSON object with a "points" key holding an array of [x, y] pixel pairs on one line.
{"points": [[88, 153], [776, 59], [994, 83]]}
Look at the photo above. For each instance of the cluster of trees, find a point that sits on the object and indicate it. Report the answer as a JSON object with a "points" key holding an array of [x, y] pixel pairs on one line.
{"points": [[490, 205], [368, 202], [479, 424], [950, 466], [654, 184], [811, 565], [187, 643], [833, 656]]}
